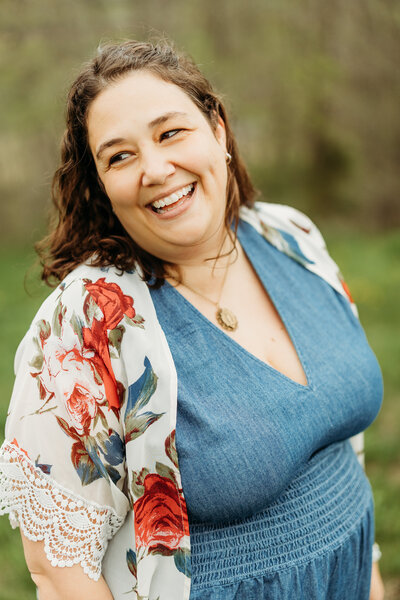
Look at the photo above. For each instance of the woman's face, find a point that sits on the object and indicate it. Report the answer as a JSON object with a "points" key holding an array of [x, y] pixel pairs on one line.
{"points": [[162, 166]]}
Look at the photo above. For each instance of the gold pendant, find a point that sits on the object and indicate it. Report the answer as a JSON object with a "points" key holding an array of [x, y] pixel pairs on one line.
{"points": [[227, 319]]}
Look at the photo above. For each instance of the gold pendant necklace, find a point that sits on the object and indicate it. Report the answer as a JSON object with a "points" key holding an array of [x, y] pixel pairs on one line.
{"points": [[224, 316], [227, 319]]}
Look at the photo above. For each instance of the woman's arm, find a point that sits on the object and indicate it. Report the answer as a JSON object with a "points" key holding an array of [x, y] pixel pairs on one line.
{"points": [[62, 466], [61, 583], [377, 591]]}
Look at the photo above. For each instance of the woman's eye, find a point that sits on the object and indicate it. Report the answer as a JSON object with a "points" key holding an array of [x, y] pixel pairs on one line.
{"points": [[118, 157], [169, 134]]}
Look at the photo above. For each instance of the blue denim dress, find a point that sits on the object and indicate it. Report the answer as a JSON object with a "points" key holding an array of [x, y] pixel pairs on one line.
{"points": [[279, 507]]}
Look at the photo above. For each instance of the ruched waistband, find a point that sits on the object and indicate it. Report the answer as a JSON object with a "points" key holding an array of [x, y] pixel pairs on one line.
{"points": [[316, 513]]}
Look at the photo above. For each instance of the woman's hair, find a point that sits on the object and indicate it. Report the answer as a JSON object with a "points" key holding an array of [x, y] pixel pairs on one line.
{"points": [[85, 225]]}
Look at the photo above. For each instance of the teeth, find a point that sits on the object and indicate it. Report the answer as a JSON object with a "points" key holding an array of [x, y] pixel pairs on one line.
{"points": [[173, 197]]}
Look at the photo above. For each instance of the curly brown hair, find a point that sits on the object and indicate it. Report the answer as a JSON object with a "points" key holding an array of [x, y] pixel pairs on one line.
{"points": [[84, 225]]}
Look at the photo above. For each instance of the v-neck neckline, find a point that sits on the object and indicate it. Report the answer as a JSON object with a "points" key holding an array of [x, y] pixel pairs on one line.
{"points": [[224, 336]]}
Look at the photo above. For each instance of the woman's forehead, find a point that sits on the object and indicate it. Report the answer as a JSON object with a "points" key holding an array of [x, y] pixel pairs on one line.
{"points": [[141, 96], [136, 104]]}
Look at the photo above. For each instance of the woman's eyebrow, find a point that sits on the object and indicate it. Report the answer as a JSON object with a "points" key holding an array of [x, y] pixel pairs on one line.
{"points": [[162, 118], [107, 144], [157, 121]]}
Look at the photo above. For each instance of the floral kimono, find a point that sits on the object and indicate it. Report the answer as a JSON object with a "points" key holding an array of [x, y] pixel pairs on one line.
{"points": [[89, 464]]}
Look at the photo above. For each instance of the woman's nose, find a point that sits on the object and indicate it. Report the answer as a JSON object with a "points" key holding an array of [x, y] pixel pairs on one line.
{"points": [[155, 167]]}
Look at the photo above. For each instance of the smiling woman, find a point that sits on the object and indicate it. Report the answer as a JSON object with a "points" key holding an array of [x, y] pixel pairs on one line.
{"points": [[189, 120], [169, 155], [188, 399]]}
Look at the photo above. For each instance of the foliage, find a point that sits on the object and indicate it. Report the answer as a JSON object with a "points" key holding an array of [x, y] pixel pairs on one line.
{"points": [[313, 87]]}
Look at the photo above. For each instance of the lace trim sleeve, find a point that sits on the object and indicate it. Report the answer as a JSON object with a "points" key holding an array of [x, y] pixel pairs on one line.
{"points": [[74, 530], [357, 441]]}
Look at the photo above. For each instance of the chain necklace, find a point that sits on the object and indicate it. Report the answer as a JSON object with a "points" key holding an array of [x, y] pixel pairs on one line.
{"points": [[224, 316]]}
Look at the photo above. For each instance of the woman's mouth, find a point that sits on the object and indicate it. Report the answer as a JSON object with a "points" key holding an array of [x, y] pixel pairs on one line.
{"points": [[171, 202]]}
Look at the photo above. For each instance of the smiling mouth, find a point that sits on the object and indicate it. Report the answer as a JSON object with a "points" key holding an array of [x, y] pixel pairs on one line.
{"points": [[173, 200]]}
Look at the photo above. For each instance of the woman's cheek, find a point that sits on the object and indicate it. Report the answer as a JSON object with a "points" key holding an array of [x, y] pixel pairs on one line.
{"points": [[121, 189]]}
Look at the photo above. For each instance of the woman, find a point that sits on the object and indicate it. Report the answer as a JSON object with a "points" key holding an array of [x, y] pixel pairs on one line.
{"points": [[175, 285]]}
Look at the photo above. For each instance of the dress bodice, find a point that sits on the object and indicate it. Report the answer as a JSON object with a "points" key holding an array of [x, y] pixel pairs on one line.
{"points": [[241, 423]]}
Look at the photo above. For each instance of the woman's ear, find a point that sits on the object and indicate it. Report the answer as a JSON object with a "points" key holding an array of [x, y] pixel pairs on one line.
{"points": [[220, 133]]}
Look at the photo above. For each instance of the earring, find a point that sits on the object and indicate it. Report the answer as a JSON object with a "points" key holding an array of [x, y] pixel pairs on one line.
{"points": [[228, 158]]}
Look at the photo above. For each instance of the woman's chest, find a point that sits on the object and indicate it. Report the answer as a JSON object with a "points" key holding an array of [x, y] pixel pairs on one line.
{"points": [[261, 328], [244, 428], [244, 423]]}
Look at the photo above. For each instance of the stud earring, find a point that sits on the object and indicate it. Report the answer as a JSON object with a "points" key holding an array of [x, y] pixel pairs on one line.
{"points": [[228, 157]]}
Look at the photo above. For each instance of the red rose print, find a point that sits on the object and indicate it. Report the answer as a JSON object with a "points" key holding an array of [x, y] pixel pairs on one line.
{"points": [[82, 408], [95, 339], [159, 522], [111, 301], [73, 374]]}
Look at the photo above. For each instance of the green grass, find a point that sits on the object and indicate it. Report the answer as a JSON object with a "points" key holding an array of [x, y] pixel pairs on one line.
{"points": [[17, 309], [371, 266]]}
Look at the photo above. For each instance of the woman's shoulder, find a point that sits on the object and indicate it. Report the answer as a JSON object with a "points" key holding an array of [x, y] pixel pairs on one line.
{"points": [[294, 233], [89, 293], [100, 284], [284, 218]]}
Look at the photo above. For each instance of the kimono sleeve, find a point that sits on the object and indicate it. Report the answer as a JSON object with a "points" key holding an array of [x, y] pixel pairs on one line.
{"points": [[62, 465]]}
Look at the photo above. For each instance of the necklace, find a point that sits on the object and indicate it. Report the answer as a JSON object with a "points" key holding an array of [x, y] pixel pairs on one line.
{"points": [[225, 317]]}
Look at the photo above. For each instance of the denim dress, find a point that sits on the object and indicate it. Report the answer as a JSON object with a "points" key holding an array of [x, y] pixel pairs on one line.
{"points": [[279, 507]]}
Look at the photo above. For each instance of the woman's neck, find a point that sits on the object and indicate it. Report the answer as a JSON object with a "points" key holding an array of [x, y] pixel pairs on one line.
{"points": [[206, 273]]}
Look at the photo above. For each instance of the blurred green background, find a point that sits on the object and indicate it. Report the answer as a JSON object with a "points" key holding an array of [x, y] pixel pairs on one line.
{"points": [[313, 90]]}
